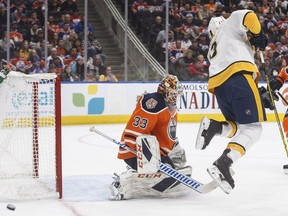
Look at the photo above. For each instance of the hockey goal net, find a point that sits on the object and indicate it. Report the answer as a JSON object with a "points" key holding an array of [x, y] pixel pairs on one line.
{"points": [[30, 137]]}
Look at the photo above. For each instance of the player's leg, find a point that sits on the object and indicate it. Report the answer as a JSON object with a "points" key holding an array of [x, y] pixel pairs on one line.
{"points": [[209, 128], [249, 112]]}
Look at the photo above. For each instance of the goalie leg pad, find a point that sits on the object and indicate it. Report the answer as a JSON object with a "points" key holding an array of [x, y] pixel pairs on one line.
{"points": [[159, 185], [148, 154]]}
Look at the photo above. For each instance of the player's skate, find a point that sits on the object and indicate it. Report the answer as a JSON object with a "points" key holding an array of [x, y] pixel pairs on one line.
{"points": [[285, 168], [221, 172], [121, 187], [207, 130]]}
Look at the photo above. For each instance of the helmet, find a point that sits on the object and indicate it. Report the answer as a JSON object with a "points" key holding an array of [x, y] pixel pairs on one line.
{"points": [[214, 24], [171, 89]]}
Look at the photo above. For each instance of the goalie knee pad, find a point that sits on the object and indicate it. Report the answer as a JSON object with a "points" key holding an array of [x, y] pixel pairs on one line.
{"points": [[248, 135], [148, 154]]}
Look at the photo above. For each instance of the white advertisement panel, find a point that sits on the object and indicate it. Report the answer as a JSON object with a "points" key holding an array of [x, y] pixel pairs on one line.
{"points": [[120, 98]]}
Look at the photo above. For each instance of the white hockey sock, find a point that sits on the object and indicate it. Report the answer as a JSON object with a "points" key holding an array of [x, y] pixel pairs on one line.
{"points": [[229, 129]]}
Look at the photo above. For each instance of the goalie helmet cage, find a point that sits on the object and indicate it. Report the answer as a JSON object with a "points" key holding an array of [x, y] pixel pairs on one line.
{"points": [[30, 137]]}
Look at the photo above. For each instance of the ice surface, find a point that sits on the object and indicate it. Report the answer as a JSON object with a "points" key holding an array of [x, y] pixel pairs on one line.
{"points": [[89, 161]]}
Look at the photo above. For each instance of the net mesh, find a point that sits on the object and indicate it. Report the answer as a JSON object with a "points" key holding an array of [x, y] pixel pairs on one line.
{"points": [[28, 137]]}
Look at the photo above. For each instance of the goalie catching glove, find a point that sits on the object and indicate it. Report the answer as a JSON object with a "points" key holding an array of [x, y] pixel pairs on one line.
{"points": [[178, 156], [266, 98]]}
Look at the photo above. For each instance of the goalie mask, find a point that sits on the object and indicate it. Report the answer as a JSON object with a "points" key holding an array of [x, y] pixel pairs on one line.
{"points": [[171, 89], [214, 24]]}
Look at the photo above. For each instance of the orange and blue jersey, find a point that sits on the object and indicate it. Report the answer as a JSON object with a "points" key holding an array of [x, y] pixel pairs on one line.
{"points": [[152, 116]]}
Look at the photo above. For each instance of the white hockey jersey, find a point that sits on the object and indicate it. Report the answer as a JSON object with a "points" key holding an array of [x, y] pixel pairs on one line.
{"points": [[230, 50]]}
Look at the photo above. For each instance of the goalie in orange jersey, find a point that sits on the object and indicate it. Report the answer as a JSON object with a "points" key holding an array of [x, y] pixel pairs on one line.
{"points": [[151, 135], [275, 84]]}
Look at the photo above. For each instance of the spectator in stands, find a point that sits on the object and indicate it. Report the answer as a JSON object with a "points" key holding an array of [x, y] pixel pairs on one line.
{"points": [[97, 64], [108, 76], [61, 50], [37, 68], [136, 7], [69, 40], [71, 57], [15, 35], [67, 20], [92, 74], [53, 25], [17, 14], [175, 52], [77, 69], [186, 42], [171, 40], [3, 16], [280, 9], [24, 27], [21, 64], [189, 26], [52, 56], [93, 45], [157, 26], [25, 50], [69, 6], [33, 57], [79, 28], [162, 34], [158, 52], [195, 48], [66, 75], [59, 66], [34, 18], [52, 69], [4, 45], [32, 34], [54, 6], [64, 32]]}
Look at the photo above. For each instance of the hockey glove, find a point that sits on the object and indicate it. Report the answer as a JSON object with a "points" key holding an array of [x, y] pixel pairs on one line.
{"points": [[276, 83], [178, 156], [259, 41], [266, 98]]}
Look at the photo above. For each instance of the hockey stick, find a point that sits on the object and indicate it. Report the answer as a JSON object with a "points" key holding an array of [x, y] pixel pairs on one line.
{"points": [[273, 103], [282, 97], [189, 182]]}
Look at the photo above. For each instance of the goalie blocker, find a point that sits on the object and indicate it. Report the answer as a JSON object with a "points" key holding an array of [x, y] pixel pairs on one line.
{"points": [[147, 181]]}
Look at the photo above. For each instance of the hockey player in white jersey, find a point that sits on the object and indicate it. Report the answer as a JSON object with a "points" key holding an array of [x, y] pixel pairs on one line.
{"points": [[233, 78]]}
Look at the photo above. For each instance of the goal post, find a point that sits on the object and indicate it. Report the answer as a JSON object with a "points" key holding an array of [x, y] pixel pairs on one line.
{"points": [[30, 137]]}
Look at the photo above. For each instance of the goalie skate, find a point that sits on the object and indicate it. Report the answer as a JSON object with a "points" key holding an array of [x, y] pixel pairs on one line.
{"points": [[285, 168], [207, 130]]}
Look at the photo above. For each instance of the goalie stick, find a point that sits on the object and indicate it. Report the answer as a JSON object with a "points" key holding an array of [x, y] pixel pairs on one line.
{"points": [[189, 182]]}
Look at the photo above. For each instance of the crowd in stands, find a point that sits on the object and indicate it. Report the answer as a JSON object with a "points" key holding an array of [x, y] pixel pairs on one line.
{"points": [[188, 39], [65, 41]]}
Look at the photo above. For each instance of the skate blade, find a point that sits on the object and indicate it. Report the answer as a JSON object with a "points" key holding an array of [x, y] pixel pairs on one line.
{"points": [[200, 139], [217, 176]]}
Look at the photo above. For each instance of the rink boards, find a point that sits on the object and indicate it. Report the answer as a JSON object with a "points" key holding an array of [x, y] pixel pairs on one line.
{"points": [[90, 103]]}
